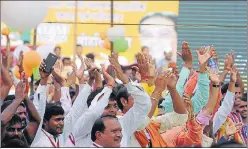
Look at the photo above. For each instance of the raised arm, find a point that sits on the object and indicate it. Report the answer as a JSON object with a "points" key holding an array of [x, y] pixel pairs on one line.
{"points": [[228, 64], [34, 119], [8, 113], [227, 104], [40, 99], [84, 124], [142, 103], [6, 80], [214, 90], [201, 96], [187, 57], [65, 98]]}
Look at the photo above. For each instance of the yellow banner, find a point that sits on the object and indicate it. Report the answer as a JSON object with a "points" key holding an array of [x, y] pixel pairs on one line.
{"points": [[127, 13]]}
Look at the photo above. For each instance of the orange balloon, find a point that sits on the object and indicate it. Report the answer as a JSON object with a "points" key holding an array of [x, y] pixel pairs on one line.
{"points": [[31, 59], [106, 44], [5, 31], [28, 72], [103, 36]]}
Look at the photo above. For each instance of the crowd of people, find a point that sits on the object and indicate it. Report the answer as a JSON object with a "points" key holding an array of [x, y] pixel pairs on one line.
{"points": [[79, 104]]}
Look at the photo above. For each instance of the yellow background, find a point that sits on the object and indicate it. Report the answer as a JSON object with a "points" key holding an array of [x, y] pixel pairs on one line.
{"points": [[131, 17]]}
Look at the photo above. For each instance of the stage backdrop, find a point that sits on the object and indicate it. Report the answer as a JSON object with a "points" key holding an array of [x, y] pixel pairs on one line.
{"points": [[94, 18]]}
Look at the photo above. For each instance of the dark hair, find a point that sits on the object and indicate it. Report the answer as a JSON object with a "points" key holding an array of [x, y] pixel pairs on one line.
{"points": [[15, 120], [121, 91], [57, 47], [53, 109], [65, 58], [37, 82], [9, 102], [91, 56], [97, 91], [166, 15], [99, 125], [229, 144], [15, 143], [72, 92], [244, 98], [224, 88], [79, 45], [143, 48], [9, 97]]}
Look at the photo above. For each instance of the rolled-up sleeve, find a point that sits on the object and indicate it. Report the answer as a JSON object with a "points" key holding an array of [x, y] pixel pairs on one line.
{"points": [[170, 120]]}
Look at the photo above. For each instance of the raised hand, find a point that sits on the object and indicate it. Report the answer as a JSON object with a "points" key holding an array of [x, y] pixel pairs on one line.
{"points": [[161, 82], [43, 73], [20, 91], [71, 78], [186, 55], [233, 74], [110, 80], [146, 65], [214, 77], [20, 62], [89, 64], [172, 81], [231, 130], [203, 58], [113, 59], [4, 59], [229, 61]]}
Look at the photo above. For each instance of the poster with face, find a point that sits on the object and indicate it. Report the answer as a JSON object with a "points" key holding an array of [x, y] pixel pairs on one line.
{"points": [[146, 23], [158, 33]]}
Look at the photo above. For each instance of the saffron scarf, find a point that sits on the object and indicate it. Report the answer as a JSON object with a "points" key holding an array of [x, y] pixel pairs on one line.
{"points": [[153, 130]]}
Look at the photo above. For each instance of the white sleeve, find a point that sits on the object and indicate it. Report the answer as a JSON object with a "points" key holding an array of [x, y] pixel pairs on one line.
{"points": [[40, 104], [85, 123], [65, 99], [170, 120], [81, 86], [78, 108], [224, 110], [135, 116]]}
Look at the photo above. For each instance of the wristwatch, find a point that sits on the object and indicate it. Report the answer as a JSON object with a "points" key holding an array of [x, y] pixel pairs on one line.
{"points": [[217, 86]]}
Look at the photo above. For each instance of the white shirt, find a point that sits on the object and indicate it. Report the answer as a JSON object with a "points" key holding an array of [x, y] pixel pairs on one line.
{"points": [[129, 122], [167, 121], [223, 111], [82, 128], [95, 145], [70, 119]]}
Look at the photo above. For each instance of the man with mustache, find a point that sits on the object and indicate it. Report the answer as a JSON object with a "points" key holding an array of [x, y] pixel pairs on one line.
{"points": [[12, 124], [243, 112], [13, 135], [106, 132], [137, 106], [21, 111]]}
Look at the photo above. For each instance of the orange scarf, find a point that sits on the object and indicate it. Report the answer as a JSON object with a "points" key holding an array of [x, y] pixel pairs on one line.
{"points": [[153, 131], [191, 84]]}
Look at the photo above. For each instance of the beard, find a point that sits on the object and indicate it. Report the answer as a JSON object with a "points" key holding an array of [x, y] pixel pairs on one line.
{"points": [[14, 142]]}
